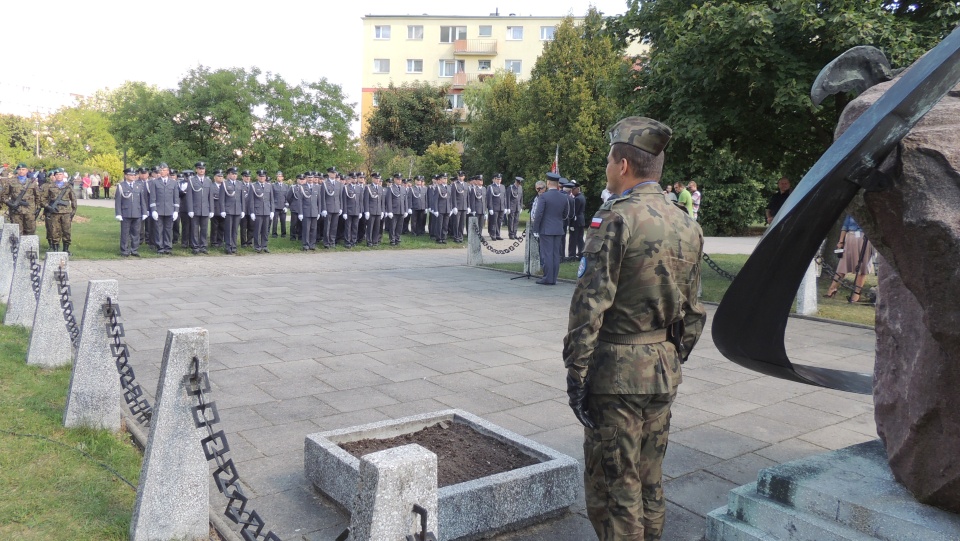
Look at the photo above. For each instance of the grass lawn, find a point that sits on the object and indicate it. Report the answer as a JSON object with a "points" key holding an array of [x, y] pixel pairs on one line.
{"points": [[96, 235], [714, 286], [50, 491]]}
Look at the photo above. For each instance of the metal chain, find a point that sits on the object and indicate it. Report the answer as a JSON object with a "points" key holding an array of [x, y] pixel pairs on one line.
{"points": [[132, 393], [215, 447], [66, 304], [716, 268], [35, 268], [844, 283], [15, 248], [507, 250]]}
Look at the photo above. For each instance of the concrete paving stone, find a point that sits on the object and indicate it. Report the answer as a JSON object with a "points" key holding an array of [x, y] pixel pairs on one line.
{"points": [[509, 373], [800, 416], [717, 441], [234, 396], [681, 460], [548, 414], [299, 330], [280, 439], [549, 367], [224, 328], [521, 341], [394, 343], [294, 409], [865, 398], [566, 527], [241, 450], [415, 407], [761, 392], [356, 399], [692, 385], [450, 365], [526, 392], [289, 369], [354, 361], [462, 382], [352, 379], [412, 389], [558, 382], [297, 353], [348, 348], [835, 437], [831, 403], [302, 340], [538, 354], [789, 450], [432, 338], [243, 360], [242, 418], [699, 492], [758, 427], [439, 351], [296, 512], [717, 403], [695, 361], [566, 439], [723, 375], [682, 525], [244, 347], [241, 377], [252, 334], [478, 402], [348, 336], [404, 372], [272, 474], [864, 423], [741, 470], [381, 331], [283, 389], [510, 422], [350, 419]]}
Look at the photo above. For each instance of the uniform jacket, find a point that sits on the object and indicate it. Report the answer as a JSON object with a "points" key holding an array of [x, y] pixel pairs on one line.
{"points": [[553, 209], [351, 200], [394, 200], [459, 195], [640, 273], [417, 198], [231, 197], [260, 199], [496, 197], [215, 197], [200, 196], [130, 200], [309, 200], [445, 196], [12, 188], [475, 200], [279, 194], [330, 194], [579, 207], [515, 198], [164, 196], [50, 193], [373, 199]]}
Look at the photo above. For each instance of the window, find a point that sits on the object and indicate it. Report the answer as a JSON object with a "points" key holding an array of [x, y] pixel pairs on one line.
{"points": [[415, 32], [376, 99], [546, 33], [449, 34], [514, 32], [486, 31], [381, 32], [483, 65], [455, 101], [414, 65], [514, 66], [381, 65], [448, 68]]}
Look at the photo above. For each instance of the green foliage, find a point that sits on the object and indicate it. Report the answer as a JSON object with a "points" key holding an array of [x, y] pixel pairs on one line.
{"points": [[17, 140], [106, 162], [388, 159], [492, 106], [76, 133], [443, 158], [412, 116]]}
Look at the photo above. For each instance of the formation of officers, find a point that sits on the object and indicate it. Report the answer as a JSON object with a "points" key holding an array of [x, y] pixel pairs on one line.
{"points": [[164, 207], [25, 199]]}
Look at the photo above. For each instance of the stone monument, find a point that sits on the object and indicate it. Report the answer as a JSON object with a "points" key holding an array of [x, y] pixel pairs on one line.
{"points": [[22, 304], [49, 338], [9, 234]]}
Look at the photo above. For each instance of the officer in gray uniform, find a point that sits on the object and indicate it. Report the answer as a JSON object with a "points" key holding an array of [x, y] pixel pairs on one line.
{"points": [[279, 205], [184, 226], [260, 210], [514, 206], [200, 206], [217, 222], [444, 208], [417, 202], [552, 211], [232, 209], [309, 212], [352, 205], [331, 191], [395, 206], [246, 224], [146, 226], [475, 201], [361, 186], [164, 209], [131, 205], [431, 202], [458, 220], [496, 205], [373, 209]]}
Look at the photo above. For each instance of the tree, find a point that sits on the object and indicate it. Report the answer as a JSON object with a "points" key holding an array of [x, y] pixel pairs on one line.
{"points": [[443, 158], [492, 106], [17, 140], [412, 116], [76, 133], [734, 77], [105, 162]]}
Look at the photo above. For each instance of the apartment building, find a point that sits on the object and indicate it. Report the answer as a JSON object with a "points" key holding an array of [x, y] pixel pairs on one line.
{"points": [[454, 50]]}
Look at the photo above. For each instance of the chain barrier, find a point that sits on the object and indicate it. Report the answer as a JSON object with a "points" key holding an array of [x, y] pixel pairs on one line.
{"points": [[132, 392], [507, 250], [35, 268], [215, 448], [66, 304], [15, 248], [716, 268]]}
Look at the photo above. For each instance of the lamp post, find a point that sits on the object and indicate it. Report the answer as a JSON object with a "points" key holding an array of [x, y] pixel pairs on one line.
{"points": [[37, 132]]}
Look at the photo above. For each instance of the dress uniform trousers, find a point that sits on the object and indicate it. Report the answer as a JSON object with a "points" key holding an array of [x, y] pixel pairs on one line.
{"points": [[163, 233], [493, 226], [261, 231], [129, 235], [230, 225], [308, 232], [373, 226], [330, 226], [280, 217], [512, 222], [295, 226]]}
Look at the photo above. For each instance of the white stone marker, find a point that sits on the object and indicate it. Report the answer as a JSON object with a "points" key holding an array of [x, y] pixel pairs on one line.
{"points": [[531, 260], [807, 294], [474, 250], [49, 339], [173, 498], [22, 304], [95, 396], [8, 233], [391, 482]]}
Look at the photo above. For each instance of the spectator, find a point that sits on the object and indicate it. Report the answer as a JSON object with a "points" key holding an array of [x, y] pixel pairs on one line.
{"points": [[95, 185], [670, 194], [683, 197], [695, 195], [779, 198], [85, 186], [857, 253], [106, 185], [42, 176]]}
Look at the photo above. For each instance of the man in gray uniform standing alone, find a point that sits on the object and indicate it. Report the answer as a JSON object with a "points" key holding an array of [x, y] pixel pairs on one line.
{"points": [[130, 203], [552, 210], [514, 206], [200, 206], [260, 210], [164, 209], [231, 205]]}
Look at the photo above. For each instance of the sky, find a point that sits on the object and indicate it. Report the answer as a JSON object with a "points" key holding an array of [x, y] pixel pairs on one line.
{"points": [[81, 47]]}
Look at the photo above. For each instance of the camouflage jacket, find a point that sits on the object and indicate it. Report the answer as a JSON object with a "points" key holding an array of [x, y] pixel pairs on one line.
{"points": [[50, 193], [639, 274], [11, 191]]}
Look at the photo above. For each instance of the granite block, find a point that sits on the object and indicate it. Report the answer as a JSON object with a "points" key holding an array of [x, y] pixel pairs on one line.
{"points": [[8, 234], [22, 304], [50, 344]]}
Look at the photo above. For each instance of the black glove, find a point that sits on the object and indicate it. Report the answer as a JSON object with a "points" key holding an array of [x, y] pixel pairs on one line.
{"points": [[577, 391]]}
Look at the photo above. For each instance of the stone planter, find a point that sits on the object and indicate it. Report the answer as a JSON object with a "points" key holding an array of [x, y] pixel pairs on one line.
{"points": [[471, 510]]}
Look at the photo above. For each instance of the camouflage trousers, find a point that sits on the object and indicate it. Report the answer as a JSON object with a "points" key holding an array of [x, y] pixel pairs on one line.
{"points": [[624, 456], [58, 227], [26, 221]]}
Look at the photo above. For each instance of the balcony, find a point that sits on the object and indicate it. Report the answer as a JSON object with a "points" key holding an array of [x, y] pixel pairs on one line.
{"points": [[475, 47], [462, 79]]}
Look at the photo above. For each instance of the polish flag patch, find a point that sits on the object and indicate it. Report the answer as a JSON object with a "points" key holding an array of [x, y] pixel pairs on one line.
{"points": [[595, 224]]}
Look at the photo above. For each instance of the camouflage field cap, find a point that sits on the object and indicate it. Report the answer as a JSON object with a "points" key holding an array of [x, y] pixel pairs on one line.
{"points": [[644, 133]]}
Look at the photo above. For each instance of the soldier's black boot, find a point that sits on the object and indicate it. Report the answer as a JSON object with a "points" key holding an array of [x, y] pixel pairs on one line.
{"points": [[54, 246], [66, 247]]}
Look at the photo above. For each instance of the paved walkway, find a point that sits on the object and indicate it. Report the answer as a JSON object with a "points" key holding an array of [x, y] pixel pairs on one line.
{"points": [[302, 343]]}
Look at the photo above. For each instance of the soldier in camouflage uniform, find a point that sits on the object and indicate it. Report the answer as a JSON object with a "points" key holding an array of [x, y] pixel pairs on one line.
{"points": [[21, 196], [634, 318], [59, 204]]}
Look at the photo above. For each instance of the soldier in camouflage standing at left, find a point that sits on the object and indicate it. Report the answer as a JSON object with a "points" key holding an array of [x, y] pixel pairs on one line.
{"points": [[21, 196], [59, 204], [634, 317]]}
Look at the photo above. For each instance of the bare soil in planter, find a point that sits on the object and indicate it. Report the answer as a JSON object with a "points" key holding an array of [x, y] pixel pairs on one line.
{"points": [[462, 453]]}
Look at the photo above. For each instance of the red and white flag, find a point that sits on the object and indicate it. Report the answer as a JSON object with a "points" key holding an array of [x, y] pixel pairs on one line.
{"points": [[595, 224], [556, 162]]}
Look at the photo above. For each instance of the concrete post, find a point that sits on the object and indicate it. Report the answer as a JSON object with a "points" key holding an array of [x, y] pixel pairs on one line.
{"points": [[807, 294], [49, 339], [8, 234], [95, 396], [22, 304], [531, 260], [474, 250], [391, 482], [173, 497]]}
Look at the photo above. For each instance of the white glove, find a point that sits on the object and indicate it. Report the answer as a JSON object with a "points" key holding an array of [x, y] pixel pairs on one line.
{"points": [[144, 217], [382, 214], [119, 218], [454, 211], [324, 214], [242, 214], [507, 212], [253, 217], [366, 215], [340, 212], [176, 215], [491, 212], [409, 212], [223, 214], [190, 214], [154, 215], [536, 235], [430, 211], [571, 229], [300, 217], [469, 211], [210, 215], [436, 214], [271, 215], [389, 215], [286, 205]]}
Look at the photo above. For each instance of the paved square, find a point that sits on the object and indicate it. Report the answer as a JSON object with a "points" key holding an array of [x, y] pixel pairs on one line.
{"points": [[305, 343]]}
